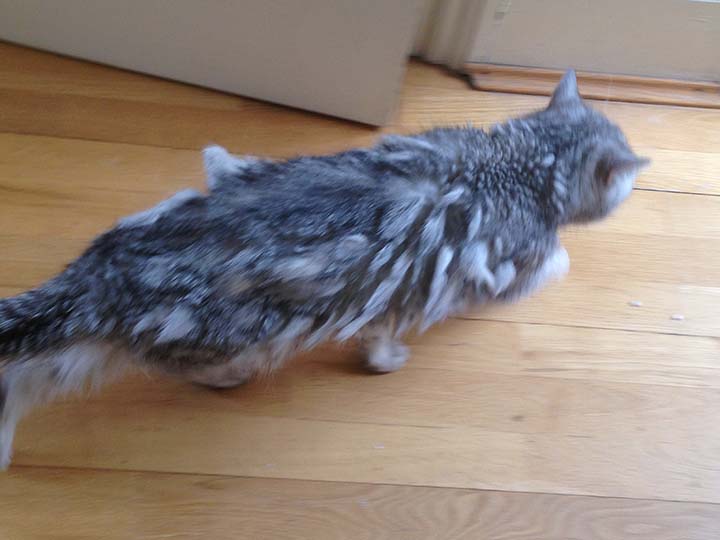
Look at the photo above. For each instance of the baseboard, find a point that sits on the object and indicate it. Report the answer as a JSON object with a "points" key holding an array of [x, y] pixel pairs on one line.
{"points": [[629, 88]]}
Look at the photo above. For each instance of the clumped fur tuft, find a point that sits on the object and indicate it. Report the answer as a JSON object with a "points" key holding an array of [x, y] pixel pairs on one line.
{"points": [[280, 256]]}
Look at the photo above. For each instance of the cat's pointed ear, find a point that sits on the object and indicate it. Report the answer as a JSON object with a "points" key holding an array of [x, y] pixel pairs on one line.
{"points": [[566, 92], [613, 165]]}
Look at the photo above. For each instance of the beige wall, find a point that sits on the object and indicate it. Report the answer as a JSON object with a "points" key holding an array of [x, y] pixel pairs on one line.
{"points": [[339, 57], [664, 38]]}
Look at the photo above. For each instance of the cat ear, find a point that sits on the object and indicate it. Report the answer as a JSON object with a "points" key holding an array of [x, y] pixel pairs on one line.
{"points": [[613, 165], [566, 91]]}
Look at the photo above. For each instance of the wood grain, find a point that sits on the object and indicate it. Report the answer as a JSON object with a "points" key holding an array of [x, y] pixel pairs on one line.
{"points": [[573, 415], [590, 354], [440, 422], [610, 464], [53, 504], [449, 428], [682, 171]]}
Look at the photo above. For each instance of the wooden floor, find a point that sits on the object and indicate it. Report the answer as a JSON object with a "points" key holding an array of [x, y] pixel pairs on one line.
{"points": [[573, 415]]}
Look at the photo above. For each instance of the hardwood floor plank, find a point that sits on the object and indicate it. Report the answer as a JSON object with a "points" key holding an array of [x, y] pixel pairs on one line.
{"points": [[430, 427], [673, 309], [479, 393], [683, 171], [51, 504], [23, 67], [279, 132], [452, 457], [550, 351]]}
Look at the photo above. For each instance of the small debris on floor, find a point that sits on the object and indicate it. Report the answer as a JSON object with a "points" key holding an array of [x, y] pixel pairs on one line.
{"points": [[635, 303], [378, 446], [677, 317]]}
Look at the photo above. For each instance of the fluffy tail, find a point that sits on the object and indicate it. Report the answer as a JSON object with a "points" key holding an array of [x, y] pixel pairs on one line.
{"points": [[44, 352]]}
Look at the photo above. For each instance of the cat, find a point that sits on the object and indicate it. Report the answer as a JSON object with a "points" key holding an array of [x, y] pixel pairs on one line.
{"points": [[280, 256]]}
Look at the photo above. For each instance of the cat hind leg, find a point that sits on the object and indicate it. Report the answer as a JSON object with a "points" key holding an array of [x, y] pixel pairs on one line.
{"points": [[238, 370], [383, 352]]}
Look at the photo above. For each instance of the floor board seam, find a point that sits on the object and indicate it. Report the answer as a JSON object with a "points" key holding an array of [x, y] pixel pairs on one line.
{"points": [[112, 470]]}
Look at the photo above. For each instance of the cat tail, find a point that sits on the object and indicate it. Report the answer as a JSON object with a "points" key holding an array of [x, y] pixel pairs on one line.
{"points": [[43, 354]]}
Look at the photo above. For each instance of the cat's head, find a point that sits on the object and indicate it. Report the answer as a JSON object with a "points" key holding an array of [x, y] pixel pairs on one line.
{"points": [[599, 166]]}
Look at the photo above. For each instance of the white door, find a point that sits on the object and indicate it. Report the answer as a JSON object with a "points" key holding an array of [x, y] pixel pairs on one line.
{"points": [[657, 38], [339, 57]]}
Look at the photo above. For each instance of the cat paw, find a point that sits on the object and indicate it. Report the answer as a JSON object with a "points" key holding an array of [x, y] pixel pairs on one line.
{"points": [[222, 376], [558, 264], [386, 357]]}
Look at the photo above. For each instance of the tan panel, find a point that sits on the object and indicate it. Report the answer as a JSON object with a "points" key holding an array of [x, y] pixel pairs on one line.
{"points": [[657, 38]]}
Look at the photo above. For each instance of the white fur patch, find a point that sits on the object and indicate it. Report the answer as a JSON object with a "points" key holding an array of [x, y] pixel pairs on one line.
{"points": [[386, 356], [155, 270], [219, 162], [379, 299], [401, 155], [474, 260], [151, 320], [178, 324], [387, 287], [557, 265], [447, 304], [620, 188], [400, 217], [432, 233], [498, 245], [320, 334], [288, 339], [236, 371], [350, 246], [300, 267], [474, 226], [503, 276], [147, 217], [548, 160], [554, 268], [403, 140], [381, 258], [221, 376], [452, 196], [439, 280], [405, 324]]}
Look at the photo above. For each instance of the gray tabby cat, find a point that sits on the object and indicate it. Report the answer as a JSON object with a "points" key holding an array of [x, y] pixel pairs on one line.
{"points": [[279, 256]]}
